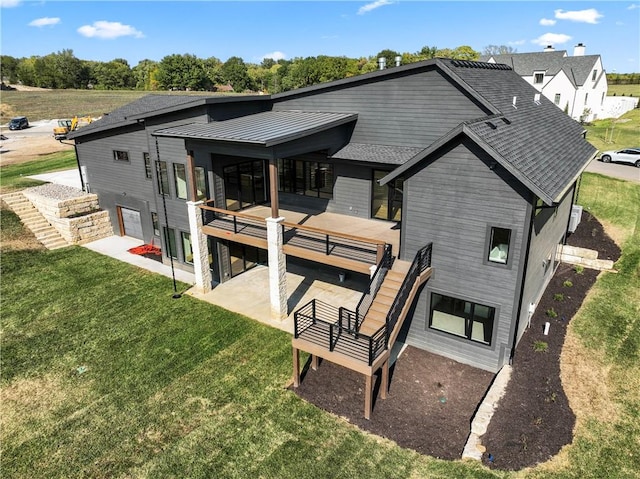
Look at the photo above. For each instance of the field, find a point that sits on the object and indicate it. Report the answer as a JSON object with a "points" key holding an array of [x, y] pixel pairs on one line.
{"points": [[624, 90]]}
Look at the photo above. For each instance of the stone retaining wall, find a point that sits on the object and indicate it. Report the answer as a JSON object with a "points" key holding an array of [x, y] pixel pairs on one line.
{"points": [[73, 213]]}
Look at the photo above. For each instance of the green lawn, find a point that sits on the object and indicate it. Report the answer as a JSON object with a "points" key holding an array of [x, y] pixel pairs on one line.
{"points": [[624, 90], [13, 177], [105, 375], [612, 134]]}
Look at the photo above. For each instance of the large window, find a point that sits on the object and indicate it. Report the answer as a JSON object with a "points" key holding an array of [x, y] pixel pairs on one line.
{"points": [[180, 177], [163, 177], [201, 183], [187, 250], [499, 245], [308, 178], [462, 318], [170, 239], [147, 165], [386, 201]]}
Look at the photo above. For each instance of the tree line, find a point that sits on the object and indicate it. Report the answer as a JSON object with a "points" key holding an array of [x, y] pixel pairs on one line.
{"points": [[62, 70]]}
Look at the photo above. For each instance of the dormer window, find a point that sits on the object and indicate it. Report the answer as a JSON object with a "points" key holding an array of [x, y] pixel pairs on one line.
{"points": [[538, 78]]}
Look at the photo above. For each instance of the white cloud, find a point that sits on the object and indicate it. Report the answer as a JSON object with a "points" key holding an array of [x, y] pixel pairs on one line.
{"points": [[274, 56], [517, 42], [633, 6], [551, 39], [109, 30], [9, 3], [590, 15], [547, 22], [44, 22], [373, 5]]}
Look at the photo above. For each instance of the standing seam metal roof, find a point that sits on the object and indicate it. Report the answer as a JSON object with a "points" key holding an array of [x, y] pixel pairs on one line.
{"points": [[267, 128]]}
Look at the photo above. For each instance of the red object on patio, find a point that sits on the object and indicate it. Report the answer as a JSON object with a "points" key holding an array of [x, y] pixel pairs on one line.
{"points": [[146, 249]]}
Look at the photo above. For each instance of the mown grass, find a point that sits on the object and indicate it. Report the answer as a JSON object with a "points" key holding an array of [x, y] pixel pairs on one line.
{"points": [[105, 375], [612, 133], [14, 176], [626, 90], [51, 104]]}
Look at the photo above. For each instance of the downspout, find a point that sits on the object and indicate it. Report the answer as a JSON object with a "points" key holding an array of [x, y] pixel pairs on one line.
{"points": [[75, 148], [573, 198], [524, 282]]}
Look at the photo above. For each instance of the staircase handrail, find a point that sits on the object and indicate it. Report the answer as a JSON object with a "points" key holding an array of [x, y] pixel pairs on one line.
{"points": [[421, 262], [374, 285]]}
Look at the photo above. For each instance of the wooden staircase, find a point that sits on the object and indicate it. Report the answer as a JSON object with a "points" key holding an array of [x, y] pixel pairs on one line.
{"points": [[33, 219], [336, 340]]}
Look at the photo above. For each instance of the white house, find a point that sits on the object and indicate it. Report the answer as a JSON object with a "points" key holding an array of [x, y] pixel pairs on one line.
{"points": [[576, 84]]}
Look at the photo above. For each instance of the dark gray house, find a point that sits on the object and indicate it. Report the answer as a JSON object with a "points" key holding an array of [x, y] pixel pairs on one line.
{"points": [[465, 162]]}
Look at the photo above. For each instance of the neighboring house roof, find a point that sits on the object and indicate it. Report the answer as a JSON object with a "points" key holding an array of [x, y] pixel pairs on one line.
{"points": [[577, 68], [267, 128], [535, 141]]}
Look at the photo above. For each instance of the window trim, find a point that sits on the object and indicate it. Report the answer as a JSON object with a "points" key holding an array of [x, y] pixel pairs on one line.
{"points": [[467, 339], [148, 169], [535, 77], [120, 160], [510, 247], [183, 193]]}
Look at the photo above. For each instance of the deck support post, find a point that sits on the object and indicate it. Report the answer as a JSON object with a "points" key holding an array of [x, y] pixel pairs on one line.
{"points": [[296, 367], [314, 362], [199, 247], [384, 383], [368, 396], [277, 269]]}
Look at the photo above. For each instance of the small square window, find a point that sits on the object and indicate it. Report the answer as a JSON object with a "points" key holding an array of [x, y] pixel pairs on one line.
{"points": [[499, 245], [119, 155], [147, 165]]}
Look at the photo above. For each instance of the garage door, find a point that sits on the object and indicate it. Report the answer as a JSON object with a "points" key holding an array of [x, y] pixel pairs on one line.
{"points": [[131, 223]]}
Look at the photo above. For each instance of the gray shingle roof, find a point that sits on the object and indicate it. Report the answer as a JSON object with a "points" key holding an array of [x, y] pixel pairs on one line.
{"points": [[267, 128], [577, 68], [394, 155], [535, 140], [123, 116]]}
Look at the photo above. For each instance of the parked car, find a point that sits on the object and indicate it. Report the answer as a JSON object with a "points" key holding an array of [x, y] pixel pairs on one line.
{"points": [[628, 155], [19, 123]]}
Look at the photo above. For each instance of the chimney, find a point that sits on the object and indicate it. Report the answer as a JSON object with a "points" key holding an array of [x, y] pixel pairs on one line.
{"points": [[382, 63], [549, 48], [398, 60], [578, 50]]}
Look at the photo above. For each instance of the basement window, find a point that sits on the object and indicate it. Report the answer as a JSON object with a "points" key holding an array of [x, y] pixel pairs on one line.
{"points": [[466, 319], [120, 155]]}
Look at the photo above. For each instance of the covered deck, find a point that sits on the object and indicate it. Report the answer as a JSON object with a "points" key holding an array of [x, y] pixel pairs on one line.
{"points": [[342, 241]]}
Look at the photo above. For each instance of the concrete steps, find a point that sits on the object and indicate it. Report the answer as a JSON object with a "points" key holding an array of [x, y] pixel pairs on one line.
{"points": [[32, 219]]}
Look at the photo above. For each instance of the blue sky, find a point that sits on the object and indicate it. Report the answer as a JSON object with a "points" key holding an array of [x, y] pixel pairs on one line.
{"points": [[104, 30]]}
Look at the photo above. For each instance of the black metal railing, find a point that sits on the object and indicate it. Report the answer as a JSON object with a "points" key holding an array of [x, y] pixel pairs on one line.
{"points": [[374, 285], [421, 262]]}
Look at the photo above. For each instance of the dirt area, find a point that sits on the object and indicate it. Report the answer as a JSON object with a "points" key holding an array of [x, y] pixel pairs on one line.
{"points": [[432, 399], [19, 150]]}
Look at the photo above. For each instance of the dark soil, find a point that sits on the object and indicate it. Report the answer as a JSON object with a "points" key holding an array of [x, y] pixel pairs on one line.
{"points": [[432, 399]]}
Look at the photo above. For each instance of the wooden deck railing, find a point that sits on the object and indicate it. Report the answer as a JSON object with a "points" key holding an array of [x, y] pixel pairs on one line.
{"points": [[295, 235]]}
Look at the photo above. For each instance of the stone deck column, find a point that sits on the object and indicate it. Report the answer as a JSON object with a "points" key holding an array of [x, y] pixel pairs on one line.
{"points": [[277, 269], [200, 247]]}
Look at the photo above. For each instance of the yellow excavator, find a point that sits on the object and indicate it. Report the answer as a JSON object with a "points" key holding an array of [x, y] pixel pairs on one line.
{"points": [[66, 126]]}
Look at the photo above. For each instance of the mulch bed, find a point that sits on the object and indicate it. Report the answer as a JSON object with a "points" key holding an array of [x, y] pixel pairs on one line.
{"points": [[432, 399]]}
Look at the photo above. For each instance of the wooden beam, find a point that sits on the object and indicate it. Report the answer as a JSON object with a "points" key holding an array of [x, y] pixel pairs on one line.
{"points": [[368, 397], [191, 177], [384, 386], [314, 362], [296, 367], [273, 187]]}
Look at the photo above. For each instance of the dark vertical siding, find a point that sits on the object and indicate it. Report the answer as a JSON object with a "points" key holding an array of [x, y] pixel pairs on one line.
{"points": [[549, 229], [412, 110], [451, 202]]}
